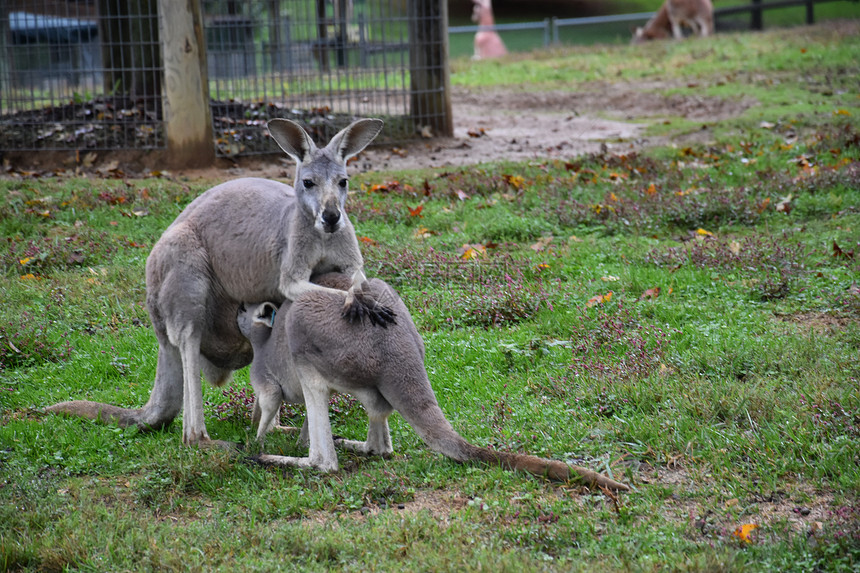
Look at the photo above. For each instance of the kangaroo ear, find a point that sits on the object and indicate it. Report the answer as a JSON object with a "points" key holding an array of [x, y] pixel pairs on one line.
{"points": [[265, 314], [351, 140], [292, 138]]}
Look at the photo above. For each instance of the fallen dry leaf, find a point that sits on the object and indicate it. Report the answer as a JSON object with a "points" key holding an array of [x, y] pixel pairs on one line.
{"points": [[735, 247], [422, 233], [541, 244], [598, 299], [468, 252], [515, 181], [842, 254], [784, 205], [651, 293], [743, 532]]}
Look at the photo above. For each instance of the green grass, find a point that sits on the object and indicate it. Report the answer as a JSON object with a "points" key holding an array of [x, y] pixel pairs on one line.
{"points": [[461, 44], [728, 397]]}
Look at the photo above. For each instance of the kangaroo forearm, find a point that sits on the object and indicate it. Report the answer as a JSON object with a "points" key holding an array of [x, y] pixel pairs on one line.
{"points": [[293, 290]]}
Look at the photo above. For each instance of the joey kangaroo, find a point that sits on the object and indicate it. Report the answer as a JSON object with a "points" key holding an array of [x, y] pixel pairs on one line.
{"points": [[698, 15], [245, 240], [303, 352]]}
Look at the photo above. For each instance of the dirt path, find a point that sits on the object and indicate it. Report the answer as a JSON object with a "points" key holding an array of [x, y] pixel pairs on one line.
{"points": [[521, 125]]}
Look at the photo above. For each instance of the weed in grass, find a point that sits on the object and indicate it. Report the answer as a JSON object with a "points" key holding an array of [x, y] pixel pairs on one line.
{"points": [[26, 342], [610, 345], [775, 261], [836, 544], [45, 254], [238, 406], [849, 300], [653, 196], [831, 419], [490, 292]]}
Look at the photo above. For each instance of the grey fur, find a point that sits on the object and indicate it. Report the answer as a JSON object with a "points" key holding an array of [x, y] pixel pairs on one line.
{"points": [[304, 352], [245, 240]]}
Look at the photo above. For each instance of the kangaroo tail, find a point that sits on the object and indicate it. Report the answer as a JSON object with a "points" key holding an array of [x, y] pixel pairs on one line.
{"points": [[105, 413], [552, 469], [428, 420]]}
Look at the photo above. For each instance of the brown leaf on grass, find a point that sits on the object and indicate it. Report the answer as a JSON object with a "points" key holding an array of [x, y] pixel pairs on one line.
{"points": [[651, 293], [515, 181], [735, 247], [598, 299], [784, 205], [461, 195], [480, 132], [416, 212], [541, 244], [368, 241], [427, 188], [839, 253], [422, 233], [386, 187], [468, 252]]}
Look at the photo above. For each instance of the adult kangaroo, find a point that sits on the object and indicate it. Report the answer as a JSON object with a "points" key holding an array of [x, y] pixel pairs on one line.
{"points": [[246, 240], [303, 352]]}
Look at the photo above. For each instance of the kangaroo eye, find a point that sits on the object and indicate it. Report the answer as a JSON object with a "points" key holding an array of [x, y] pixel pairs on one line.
{"points": [[308, 184], [342, 183]]}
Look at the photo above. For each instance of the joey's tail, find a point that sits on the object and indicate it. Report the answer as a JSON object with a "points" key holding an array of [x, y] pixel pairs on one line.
{"points": [[428, 420]]}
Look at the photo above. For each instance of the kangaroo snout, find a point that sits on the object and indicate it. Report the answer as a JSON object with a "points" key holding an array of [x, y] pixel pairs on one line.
{"points": [[330, 219]]}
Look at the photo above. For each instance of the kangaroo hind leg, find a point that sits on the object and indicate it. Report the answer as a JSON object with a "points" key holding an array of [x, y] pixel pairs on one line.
{"points": [[378, 410]]}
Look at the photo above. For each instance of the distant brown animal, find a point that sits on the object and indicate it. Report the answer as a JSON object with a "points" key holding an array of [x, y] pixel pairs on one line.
{"points": [[304, 351], [488, 43], [698, 15]]}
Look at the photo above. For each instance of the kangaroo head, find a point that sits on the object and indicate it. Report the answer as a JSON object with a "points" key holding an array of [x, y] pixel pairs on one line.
{"points": [[256, 322], [321, 181]]}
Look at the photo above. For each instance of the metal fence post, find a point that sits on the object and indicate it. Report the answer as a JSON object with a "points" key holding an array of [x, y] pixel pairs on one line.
{"points": [[810, 12]]}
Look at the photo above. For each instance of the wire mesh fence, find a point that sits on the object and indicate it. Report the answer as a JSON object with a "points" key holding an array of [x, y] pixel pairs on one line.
{"points": [[77, 75], [87, 74]]}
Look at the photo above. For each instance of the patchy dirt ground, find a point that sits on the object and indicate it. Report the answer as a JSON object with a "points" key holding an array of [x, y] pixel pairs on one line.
{"points": [[490, 126], [521, 125]]}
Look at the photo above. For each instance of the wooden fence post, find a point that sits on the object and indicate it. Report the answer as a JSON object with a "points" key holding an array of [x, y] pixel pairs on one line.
{"points": [[756, 21], [428, 66], [188, 114], [810, 12]]}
